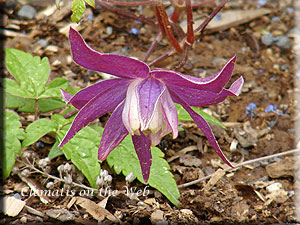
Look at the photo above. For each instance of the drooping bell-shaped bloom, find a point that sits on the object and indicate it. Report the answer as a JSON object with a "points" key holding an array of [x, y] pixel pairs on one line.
{"points": [[142, 100]]}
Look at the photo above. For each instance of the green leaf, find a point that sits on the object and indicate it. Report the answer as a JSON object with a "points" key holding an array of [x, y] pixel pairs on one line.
{"points": [[13, 88], [90, 2], [82, 150], [19, 103], [60, 121], [78, 8], [12, 134], [124, 159], [55, 151], [49, 104], [30, 89], [31, 72], [36, 130], [57, 3], [53, 88], [28, 105], [185, 116]]}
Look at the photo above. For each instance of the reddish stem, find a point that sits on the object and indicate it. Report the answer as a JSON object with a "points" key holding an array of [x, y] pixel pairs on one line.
{"points": [[153, 45], [190, 22], [164, 22], [175, 15]]}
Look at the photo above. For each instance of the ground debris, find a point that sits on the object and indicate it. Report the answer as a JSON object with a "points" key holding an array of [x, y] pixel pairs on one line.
{"points": [[283, 168], [96, 211], [60, 214], [11, 206], [214, 179]]}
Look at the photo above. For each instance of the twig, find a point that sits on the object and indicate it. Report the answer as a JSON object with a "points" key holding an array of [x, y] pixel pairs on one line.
{"points": [[54, 177], [297, 150]]}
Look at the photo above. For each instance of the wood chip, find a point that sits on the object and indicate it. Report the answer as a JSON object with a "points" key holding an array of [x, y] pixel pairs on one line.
{"points": [[214, 179], [96, 211], [157, 216], [36, 188], [103, 202], [71, 203], [9, 33], [230, 18], [11, 206], [34, 211]]}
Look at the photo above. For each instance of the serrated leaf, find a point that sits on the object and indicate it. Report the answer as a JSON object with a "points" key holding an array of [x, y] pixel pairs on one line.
{"points": [[36, 130], [13, 88], [31, 72], [124, 159], [82, 150], [90, 2], [78, 8], [28, 105], [12, 146], [184, 116]]}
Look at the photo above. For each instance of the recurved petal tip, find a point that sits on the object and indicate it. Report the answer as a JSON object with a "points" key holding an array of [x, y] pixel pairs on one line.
{"points": [[236, 87], [66, 95]]}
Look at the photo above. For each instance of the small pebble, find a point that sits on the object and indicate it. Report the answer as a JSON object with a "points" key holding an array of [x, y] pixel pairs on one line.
{"points": [[42, 42], [282, 42], [27, 12], [274, 187], [267, 39], [109, 30]]}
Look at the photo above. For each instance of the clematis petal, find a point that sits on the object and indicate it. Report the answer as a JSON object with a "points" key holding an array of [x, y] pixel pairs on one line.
{"points": [[155, 138], [102, 103], [142, 145], [214, 83], [113, 134], [130, 115], [204, 126], [196, 97], [66, 95], [149, 92], [170, 113], [117, 65], [84, 95]]}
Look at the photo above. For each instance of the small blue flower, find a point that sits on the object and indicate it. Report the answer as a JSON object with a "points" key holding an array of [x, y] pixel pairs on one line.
{"points": [[271, 108], [250, 109], [134, 31]]}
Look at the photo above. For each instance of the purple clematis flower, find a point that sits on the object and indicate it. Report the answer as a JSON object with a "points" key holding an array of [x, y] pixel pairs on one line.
{"points": [[142, 100]]}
